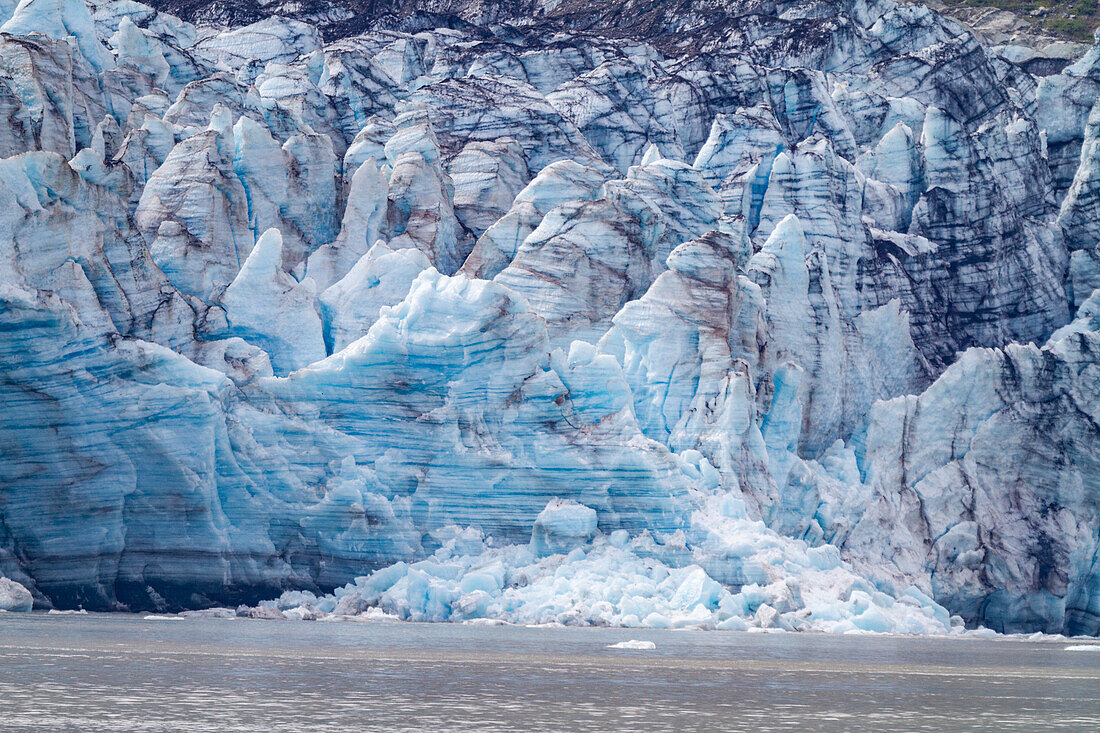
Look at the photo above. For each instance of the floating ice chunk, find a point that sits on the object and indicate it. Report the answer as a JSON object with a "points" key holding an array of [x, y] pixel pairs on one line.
{"points": [[265, 613], [211, 613], [982, 633], [1083, 648], [301, 613], [733, 623], [633, 644], [160, 617], [14, 597], [371, 615], [485, 622], [292, 599]]}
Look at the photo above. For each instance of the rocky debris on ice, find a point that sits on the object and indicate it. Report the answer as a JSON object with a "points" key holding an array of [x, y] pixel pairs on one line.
{"points": [[272, 40]]}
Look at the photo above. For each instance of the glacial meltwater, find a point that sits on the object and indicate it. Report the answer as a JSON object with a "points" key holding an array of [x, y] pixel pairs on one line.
{"points": [[119, 672]]}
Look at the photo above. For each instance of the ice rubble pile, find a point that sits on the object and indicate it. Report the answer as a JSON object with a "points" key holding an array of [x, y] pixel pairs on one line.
{"points": [[618, 581], [796, 331]]}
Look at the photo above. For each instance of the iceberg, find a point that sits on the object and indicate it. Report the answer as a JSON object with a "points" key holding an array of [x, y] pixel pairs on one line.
{"points": [[633, 644], [14, 597]]}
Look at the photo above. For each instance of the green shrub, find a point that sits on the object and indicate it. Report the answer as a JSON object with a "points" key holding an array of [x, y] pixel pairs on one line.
{"points": [[1073, 27], [1084, 7]]}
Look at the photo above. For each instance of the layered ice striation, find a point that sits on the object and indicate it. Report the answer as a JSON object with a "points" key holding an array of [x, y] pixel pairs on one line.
{"points": [[471, 314]]}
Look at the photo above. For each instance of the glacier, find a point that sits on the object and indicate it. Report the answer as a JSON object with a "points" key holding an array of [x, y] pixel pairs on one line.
{"points": [[784, 319]]}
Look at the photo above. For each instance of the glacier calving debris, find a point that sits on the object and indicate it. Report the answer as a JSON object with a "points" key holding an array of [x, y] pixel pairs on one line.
{"points": [[621, 581], [14, 597], [480, 315]]}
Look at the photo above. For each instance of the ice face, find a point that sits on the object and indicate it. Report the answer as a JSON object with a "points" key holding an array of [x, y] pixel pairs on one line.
{"points": [[380, 278], [483, 399], [561, 526], [556, 184], [60, 19], [796, 332], [364, 218], [272, 40], [268, 307]]}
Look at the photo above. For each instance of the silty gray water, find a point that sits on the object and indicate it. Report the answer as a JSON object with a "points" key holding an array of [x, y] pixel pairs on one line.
{"points": [[126, 673]]}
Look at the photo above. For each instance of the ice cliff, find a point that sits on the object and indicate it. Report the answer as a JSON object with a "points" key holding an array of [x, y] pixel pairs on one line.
{"points": [[777, 315]]}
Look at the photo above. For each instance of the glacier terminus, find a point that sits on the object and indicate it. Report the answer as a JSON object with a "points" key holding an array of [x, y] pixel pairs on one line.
{"points": [[758, 314]]}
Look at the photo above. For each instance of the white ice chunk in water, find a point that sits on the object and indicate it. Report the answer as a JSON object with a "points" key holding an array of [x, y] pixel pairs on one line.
{"points": [[14, 597]]}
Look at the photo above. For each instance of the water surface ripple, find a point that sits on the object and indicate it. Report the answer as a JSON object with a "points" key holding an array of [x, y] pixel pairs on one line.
{"points": [[125, 673]]}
